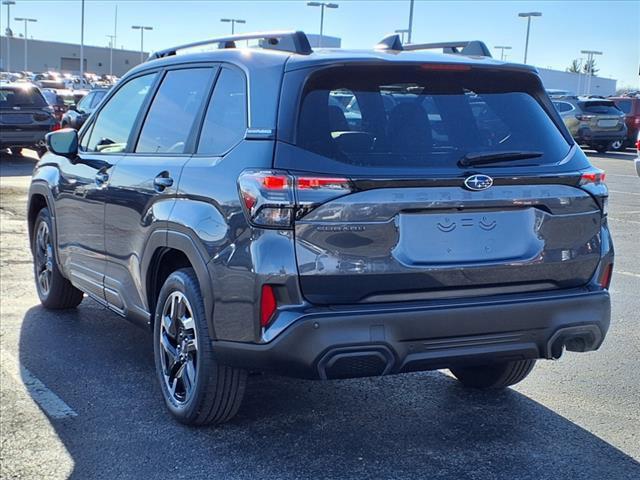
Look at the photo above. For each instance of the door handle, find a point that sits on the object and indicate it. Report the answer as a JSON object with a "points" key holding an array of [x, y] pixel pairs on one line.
{"points": [[101, 178], [161, 182]]}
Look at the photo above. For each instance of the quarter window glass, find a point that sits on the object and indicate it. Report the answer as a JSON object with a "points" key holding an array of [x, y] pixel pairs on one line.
{"points": [[83, 104], [563, 106], [226, 120], [115, 121], [173, 111], [97, 97]]}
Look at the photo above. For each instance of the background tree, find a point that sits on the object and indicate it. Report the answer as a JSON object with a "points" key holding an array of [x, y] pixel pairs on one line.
{"points": [[590, 67], [575, 66]]}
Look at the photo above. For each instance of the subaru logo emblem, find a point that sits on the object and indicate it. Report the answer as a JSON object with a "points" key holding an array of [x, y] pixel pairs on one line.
{"points": [[478, 182]]}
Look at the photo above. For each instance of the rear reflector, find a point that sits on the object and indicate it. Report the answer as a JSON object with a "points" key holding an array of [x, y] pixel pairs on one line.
{"points": [[605, 277], [268, 305]]}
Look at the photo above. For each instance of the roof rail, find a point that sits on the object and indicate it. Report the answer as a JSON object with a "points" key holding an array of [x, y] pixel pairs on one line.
{"points": [[288, 41], [472, 47]]}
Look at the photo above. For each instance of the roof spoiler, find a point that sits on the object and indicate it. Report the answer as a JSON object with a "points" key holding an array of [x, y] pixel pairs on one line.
{"points": [[288, 41], [471, 47]]}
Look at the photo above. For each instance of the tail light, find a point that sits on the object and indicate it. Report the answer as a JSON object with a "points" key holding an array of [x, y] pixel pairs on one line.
{"points": [[268, 305], [638, 144], [274, 199], [636, 121], [56, 126], [596, 177], [585, 118], [605, 276]]}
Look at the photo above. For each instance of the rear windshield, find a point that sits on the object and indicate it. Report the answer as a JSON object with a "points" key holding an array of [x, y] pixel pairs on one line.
{"points": [[21, 97], [602, 107], [624, 105], [411, 117]]}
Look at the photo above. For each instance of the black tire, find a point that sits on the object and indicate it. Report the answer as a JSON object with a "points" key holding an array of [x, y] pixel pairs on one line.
{"points": [[602, 148], [216, 393], [496, 376], [59, 293]]}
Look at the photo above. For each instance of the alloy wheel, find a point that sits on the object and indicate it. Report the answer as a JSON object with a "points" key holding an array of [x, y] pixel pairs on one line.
{"points": [[43, 258], [178, 347], [617, 145]]}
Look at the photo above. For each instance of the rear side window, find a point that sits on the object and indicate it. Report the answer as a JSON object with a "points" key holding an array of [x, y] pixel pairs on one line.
{"points": [[97, 98], [21, 98], [113, 125], [624, 105], [563, 106], [173, 110], [225, 122], [601, 107], [407, 118]]}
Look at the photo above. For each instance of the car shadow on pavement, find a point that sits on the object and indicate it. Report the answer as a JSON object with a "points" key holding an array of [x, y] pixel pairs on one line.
{"points": [[629, 155], [13, 165], [421, 425]]}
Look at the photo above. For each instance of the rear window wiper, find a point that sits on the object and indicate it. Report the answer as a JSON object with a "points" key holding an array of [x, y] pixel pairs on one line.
{"points": [[483, 158]]}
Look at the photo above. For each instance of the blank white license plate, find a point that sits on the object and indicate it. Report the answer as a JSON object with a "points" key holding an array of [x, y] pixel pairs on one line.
{"points": [[607, 123]]}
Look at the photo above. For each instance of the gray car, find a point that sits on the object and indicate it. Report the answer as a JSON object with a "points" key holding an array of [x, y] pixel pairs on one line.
{"points": [[594, 122], [326, 214]]}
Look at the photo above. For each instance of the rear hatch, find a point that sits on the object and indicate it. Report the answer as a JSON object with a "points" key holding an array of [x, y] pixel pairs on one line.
{"points": [[431, 182], [602, 115], [23, 108]]}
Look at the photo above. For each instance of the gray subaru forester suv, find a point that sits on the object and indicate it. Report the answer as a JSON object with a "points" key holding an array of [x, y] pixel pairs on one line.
{"points": [[327, 214]]}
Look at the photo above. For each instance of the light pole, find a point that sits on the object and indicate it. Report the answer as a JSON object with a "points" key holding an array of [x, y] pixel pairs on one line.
{"points": [[528, 16], [410, 29], [8, 33], [82, 46], [26, 22], [111, 40], [233, 22], [402, 31], [589, 64], [322, 6], [502, 48], [142, 28]]}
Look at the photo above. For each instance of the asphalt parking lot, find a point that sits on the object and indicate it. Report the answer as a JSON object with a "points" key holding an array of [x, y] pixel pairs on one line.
{"points": [[101, 415]]}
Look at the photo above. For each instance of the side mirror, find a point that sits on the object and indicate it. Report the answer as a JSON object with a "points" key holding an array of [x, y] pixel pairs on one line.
{"points": [[63, 142]]}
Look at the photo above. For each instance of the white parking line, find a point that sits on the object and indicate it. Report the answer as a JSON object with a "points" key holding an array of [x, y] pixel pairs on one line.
{"points": [[51, 403], [626, 193], [630, 274], [620, 175]]}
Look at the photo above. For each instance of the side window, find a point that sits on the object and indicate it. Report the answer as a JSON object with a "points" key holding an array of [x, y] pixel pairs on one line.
{"points": [[97, 98], [113, 125], [226, 120], [83, 105], [173, 110], [563, 106]]}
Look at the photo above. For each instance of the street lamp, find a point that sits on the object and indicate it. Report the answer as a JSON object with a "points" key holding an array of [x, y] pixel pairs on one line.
{"points": [[8, 33], [233, 22], [111, 40], [402, 31], [589, 65], [26, 22], [322, 6], [502, 49], [142, 28], [528, 16]]}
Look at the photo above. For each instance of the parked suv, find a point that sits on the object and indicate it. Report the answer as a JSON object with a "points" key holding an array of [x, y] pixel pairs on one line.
{"points": [[594, 122], [227, 202], [25, 117], [630, 106]]}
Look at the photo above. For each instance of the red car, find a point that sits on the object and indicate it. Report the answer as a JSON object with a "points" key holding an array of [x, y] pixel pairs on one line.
{"points": [[631, 108]]}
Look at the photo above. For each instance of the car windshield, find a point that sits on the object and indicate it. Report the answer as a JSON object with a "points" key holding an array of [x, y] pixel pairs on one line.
{"points": [[11, 97], [414, 118], [600, 107]]}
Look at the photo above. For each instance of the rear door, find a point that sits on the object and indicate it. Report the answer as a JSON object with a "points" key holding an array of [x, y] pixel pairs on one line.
{"points": [[143, 186], [414, 223]]}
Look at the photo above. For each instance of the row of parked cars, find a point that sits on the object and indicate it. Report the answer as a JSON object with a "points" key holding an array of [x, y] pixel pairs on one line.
{"points": [[28, 111], [602, 124]]}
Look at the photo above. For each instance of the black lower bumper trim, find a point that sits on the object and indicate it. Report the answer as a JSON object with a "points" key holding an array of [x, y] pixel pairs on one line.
{"points": [[378, 341]]}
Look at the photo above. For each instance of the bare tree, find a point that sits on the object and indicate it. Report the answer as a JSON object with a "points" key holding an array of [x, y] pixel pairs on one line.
{"points": [[575, 66], [590, 67]]}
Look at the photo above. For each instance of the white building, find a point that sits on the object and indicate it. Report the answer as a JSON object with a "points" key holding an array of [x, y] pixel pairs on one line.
{"points": [[577, 83]]}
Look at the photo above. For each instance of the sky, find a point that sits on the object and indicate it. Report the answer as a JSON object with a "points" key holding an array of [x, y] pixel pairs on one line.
{"points": [[565, 28]]}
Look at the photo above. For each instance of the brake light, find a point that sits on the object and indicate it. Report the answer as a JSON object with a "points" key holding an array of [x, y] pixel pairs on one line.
{"points": [[56, 126], [605, 277], [273, 199], [268, 305], [594, 178], [638, 144]]}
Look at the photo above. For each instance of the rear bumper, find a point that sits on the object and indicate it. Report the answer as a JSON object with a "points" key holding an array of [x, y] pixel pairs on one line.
{"points": [[366, 341], [24, 138], [587, 135]]}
